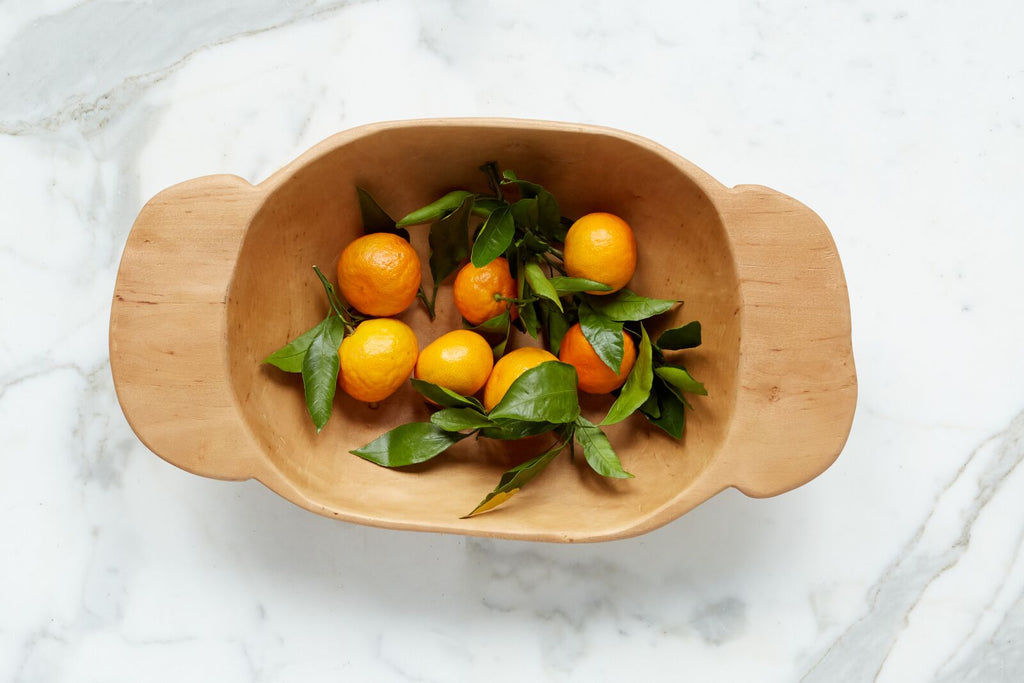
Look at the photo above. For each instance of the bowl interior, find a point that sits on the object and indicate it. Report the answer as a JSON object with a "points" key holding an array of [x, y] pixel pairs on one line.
{"points": [[311, 213]]}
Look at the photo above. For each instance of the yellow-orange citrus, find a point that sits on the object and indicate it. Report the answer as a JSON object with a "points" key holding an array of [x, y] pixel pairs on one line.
{"points": [[460, 360], [508, 369], [376, 359], [379, 274], [474, 291], [601, 247], [595, 376]]}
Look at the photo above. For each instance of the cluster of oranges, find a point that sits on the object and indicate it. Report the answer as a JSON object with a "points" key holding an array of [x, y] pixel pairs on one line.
{"points": [[379, 275]]}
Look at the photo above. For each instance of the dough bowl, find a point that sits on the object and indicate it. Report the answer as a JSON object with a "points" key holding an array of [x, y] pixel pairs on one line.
{"points": [[216, 274]]}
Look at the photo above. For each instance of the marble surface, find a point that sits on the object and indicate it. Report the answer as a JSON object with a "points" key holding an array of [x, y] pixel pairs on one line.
{"points": [[899, 123]]}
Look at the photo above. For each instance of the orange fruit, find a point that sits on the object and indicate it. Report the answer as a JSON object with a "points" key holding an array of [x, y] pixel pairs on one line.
{"points": [[508, 369], [460, 360], [474, 291], [379, 274], [601, 247], [376, 359], [594, 375]]}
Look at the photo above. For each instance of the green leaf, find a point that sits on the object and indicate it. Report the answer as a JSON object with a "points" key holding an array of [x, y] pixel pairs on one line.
{"points": [[431, 212], [685, 337], [626, 305], [484, 206], [459, 419], [637, 387], [409, 444], [540, 284], [556, 324], [516, 478], [289, 357], [445, 397], [549, 216], [320, 370], [598, 450], [332, 297], [524, 212], [511, 430], [670, 415], [571, 285], [604, 334], [449, 243], [494, 237], [528, 316], [496, 325], [375, 219], [677, 376], [545, 393]]}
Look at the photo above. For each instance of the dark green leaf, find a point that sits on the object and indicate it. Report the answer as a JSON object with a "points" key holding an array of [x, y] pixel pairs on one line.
{"points": [[496, 325], [449, 243], [528, 316], [598, 450], [494, 237], [604, 334], [528, 189], [375, 219], [409, 444], [320, 370], [289, 358], [524, 212], [626, 305], [556, 324], [545, 393], [515, 479], [540, 284], [483, 206], [685, 337], [510, 430], [652, 407], [570, 285], [670, 415], [549, 216], [332, 297], [445, 397], [677, 376], [438, 209], [459, 419], [637, 387]]}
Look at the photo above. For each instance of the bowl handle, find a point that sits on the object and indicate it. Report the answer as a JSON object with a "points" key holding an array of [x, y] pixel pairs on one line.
{"points": [[797, 386], [168, 329]]}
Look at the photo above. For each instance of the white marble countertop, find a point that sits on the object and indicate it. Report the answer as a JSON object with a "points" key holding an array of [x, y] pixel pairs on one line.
{"points": [[899, 123]]}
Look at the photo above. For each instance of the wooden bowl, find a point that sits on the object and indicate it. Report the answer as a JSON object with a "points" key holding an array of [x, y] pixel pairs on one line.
{"points": [[216, 274]]}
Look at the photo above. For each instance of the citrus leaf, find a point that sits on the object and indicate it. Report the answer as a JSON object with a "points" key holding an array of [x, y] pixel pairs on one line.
{"points": [[524, 212], [545, 393], [670, 415], [408, 444], [289, 357], [511, 430], [604, 334], [445, 397], [483, 205], [528, 316], [570, 285], [431, 212], [598, 450], [556, 324], [320, 370], [375, 219], [449, 243], [549, 216], [516, 478], [684, 337], [494, 237], [637, 387], [459, 419], [626, 305], [677, 376], [540, 284]]}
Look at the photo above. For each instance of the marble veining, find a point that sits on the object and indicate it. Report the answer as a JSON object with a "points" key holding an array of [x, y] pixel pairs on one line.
{"points": [[900, 124]]}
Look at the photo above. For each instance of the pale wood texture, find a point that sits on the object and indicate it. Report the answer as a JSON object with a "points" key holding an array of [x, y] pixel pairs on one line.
{"points": [[217, 274]]}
